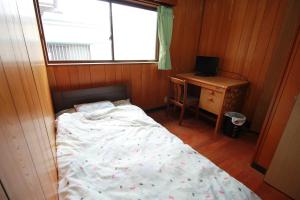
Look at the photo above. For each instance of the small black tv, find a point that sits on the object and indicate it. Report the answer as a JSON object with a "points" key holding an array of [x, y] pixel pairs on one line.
{"points": [[206, 65]]}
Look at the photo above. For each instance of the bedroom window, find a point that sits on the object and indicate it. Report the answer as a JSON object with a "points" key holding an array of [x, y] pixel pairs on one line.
{"points": [[98, 31]]}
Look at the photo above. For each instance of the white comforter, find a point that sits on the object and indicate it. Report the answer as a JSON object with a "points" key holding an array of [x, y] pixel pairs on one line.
{"points": [[121, 153]]}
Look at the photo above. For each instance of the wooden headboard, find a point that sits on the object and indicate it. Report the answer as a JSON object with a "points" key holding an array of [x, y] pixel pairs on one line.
{"points": [[68, 98]]}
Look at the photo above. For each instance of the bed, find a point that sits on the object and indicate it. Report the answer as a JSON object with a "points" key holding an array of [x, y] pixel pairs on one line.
{"points": [[119, 152]]}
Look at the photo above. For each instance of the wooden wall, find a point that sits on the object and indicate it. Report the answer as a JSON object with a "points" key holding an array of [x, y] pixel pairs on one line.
{"points": [[27, 161], [281, 109], [244, 35], [148, 85], [279, 61]]}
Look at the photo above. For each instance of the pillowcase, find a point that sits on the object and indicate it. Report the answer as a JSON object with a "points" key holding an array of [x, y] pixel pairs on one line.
{"points": [[70, 110], [122, 102], [89, 107], [98, 114]]}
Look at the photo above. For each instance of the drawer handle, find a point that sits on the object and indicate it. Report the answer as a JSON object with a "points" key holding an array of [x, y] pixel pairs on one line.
{"points": [[211, 99]]}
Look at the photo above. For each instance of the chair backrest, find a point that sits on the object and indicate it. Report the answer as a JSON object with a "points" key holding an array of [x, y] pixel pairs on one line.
{"points": [[178, 90]]}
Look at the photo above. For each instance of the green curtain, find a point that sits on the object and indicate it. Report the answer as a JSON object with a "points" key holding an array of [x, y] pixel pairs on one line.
{"points": [[165, 27]]}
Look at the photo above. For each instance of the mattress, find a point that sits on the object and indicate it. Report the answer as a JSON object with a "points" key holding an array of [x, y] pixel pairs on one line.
{"points": [[121, 153]]}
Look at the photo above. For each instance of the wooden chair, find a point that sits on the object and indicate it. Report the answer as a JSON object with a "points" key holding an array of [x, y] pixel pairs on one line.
{"points": [[178, 97]]}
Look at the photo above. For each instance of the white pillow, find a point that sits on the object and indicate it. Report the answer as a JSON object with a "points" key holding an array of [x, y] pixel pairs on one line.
{"points": [[98, 114], [122, 102], [90, 107]]}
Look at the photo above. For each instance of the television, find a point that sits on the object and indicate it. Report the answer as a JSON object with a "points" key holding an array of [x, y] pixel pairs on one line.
{"points": [[206, 65]]}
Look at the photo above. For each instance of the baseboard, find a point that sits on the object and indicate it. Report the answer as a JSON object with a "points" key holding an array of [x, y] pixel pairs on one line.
{"points": [[259, 168]]}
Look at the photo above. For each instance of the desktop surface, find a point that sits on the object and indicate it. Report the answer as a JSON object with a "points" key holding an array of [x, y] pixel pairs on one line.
{"points": [[217, 80]]}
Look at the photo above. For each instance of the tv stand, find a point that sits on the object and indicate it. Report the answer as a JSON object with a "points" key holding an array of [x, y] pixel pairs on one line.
{"points": [[218, 94]]}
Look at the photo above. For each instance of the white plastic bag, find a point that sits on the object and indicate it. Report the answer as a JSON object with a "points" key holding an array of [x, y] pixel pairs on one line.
{"points": [[236, 118]]}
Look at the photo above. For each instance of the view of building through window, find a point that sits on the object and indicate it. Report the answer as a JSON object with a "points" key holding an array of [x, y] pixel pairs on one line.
{"points": [[77, 30]]}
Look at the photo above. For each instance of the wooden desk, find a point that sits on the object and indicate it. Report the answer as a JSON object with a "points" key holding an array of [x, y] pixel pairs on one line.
{"points": [[218, 94]]}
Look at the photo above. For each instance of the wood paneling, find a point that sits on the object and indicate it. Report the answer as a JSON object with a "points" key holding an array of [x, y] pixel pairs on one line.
{"points": [[148, 86], [279, 114], [27, 161], [17, 171], [279, 60], [245, 35], [146, 83], [35, 55]]}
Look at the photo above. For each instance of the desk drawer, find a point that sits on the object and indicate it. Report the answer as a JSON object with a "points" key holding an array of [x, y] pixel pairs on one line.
{"points": [[210, 100]]}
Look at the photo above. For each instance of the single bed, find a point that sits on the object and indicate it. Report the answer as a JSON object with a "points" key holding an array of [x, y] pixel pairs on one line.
{"points": [[119, 152]]}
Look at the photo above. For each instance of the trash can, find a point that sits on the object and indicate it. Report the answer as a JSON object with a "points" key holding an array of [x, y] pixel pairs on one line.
{"points": [[233, 123]]}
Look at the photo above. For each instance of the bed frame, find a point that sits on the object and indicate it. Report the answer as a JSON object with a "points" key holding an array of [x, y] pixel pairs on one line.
{"points": [[68, 98]]}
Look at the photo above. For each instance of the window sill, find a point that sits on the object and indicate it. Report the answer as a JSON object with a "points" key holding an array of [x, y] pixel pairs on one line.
{"points": [[99, 63]]}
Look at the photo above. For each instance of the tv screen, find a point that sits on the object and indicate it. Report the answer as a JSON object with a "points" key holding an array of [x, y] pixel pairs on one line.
{"points": [[206, 66]]}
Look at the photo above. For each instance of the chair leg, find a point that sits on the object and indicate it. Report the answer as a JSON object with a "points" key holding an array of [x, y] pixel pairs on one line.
{"points": [[181, 115]]}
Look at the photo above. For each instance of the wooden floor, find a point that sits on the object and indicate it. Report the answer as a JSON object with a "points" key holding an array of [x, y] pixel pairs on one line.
{"points": [[232, 155]]}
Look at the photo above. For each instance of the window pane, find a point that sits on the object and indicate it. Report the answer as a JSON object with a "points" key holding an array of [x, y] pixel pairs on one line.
{"points": [[134, 33], [77, 29]]}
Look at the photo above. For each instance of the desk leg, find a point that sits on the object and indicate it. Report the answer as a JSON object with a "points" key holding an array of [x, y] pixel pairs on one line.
{"points": [[220, 116], [218, 124]]}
